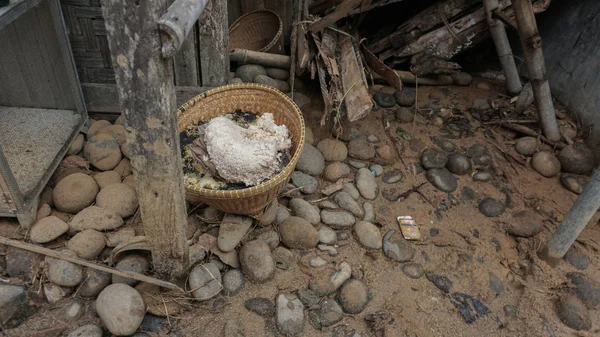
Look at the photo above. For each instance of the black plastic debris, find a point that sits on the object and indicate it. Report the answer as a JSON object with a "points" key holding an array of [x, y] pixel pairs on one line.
{"points": [[469, 307]]}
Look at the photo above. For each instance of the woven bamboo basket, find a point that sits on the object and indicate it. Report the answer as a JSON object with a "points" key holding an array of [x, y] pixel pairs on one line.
{"points": [[255, 98], [258, 31]]}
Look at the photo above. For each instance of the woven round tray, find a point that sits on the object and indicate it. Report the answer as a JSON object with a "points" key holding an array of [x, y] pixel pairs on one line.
{"points": [[258, 31], [255, 98]]}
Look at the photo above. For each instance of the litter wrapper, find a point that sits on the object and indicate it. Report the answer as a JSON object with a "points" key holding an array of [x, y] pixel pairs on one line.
{"points": [[409, 228]]}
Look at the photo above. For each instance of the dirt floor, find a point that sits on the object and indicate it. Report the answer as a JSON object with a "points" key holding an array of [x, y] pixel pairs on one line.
{"points": [[467, 249]]}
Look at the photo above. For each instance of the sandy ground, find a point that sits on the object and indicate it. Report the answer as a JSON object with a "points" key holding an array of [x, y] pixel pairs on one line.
{"points": [[417, 307]]}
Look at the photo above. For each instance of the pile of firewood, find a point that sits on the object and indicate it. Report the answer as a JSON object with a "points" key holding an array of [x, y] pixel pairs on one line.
{"points": [[326, 43]]}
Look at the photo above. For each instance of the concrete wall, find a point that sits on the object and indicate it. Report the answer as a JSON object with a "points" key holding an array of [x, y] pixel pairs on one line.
{"points": [[570, 31]]}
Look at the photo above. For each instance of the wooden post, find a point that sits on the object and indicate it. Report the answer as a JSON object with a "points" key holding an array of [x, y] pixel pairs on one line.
{"points": [[575, 221], [534, 59], [147, 99], [507, 61], [186, 62], [214, 44]]}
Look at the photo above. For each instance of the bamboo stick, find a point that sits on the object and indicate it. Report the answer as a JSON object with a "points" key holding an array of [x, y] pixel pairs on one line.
{"points": [[85, 263], [513, 82], [534, 59], [263, 59]]}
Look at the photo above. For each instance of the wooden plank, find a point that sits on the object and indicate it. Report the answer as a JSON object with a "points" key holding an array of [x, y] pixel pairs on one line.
{"points": [[15, 9], [381, 69], [14, 92], [234, 10], [357, 99], [147, 99], [340, 11], [185, 63], [99, 75], [104, 97], [213, 36]]}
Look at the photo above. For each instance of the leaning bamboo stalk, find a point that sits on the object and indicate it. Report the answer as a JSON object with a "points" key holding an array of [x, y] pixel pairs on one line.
{"points": [[534, 59], [507, 61], [409, 78], [263, 59], [85, 263]]}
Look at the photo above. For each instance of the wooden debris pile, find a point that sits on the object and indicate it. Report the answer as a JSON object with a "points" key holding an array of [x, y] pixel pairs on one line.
{"points": [[326, 42]]}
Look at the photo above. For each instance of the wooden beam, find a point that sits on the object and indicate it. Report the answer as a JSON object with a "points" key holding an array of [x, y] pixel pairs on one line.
{"points": [[104, 98], [340, 11], [177, 23], [147, 99], [357, 99], [214, 44], [186, 61], [536, 67]]}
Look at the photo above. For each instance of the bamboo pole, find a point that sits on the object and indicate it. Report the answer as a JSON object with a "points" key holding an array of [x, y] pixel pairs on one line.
{"points": [[263, 59], [575, 221], [534, 59], [497, 29]]}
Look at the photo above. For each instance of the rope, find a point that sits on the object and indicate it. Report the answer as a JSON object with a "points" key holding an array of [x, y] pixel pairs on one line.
{"points": [[446, 23]]}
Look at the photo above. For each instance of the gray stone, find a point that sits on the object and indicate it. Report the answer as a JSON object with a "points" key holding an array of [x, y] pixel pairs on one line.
{"points": [[495, 284], [270, 214], [311, 161], [413, 270], [289, 315], [356, 164], [372, 138], [121, 309], [576, 158], [232, 230], [75, 192], [247, 72], [383, 99], [261, 306], [55, 293], [271, 82], [467, 193], [396, 248], [376, 169], [485, 86], [305, 210], [47, 229], [89, 330], [94, 217], [345, 201], [392, 177], [125, 234], [481, 104], [87, 244], [327, 235], [233, 282], [234, 327], [282, 214], [524, 223], [354, 297], [351, 189], [301, 100], [369, 212], [284, 258], [546, 164], [93, 282], [15, 306], [298, 233], [572, 182], [328, 204], [329, 249], [22, 263], [405, 115], [510, 310], [64, 273], [573, 313], [257, 262], [307, 183], [278, 74], [73, 311], [333, 149], [462, 79], [482, 176], [317, 262], [329, 313], [444, 144], [205, 280], [433, 158], [368, 235], [335, 171], [526, 146], [491, 208], [153, 323], [360, 149], [337, 219], [586, 289], [308, 297], [577, 259], [135, 263], [271, 238], [458, 164], [442, 282], [406, 97], [327, 283], [366, 184], [442, 179]]}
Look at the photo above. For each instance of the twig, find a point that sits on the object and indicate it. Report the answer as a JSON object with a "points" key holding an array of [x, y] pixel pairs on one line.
{"points": [[527, 131], [412, 131], [514, 121], [58, 255]]}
